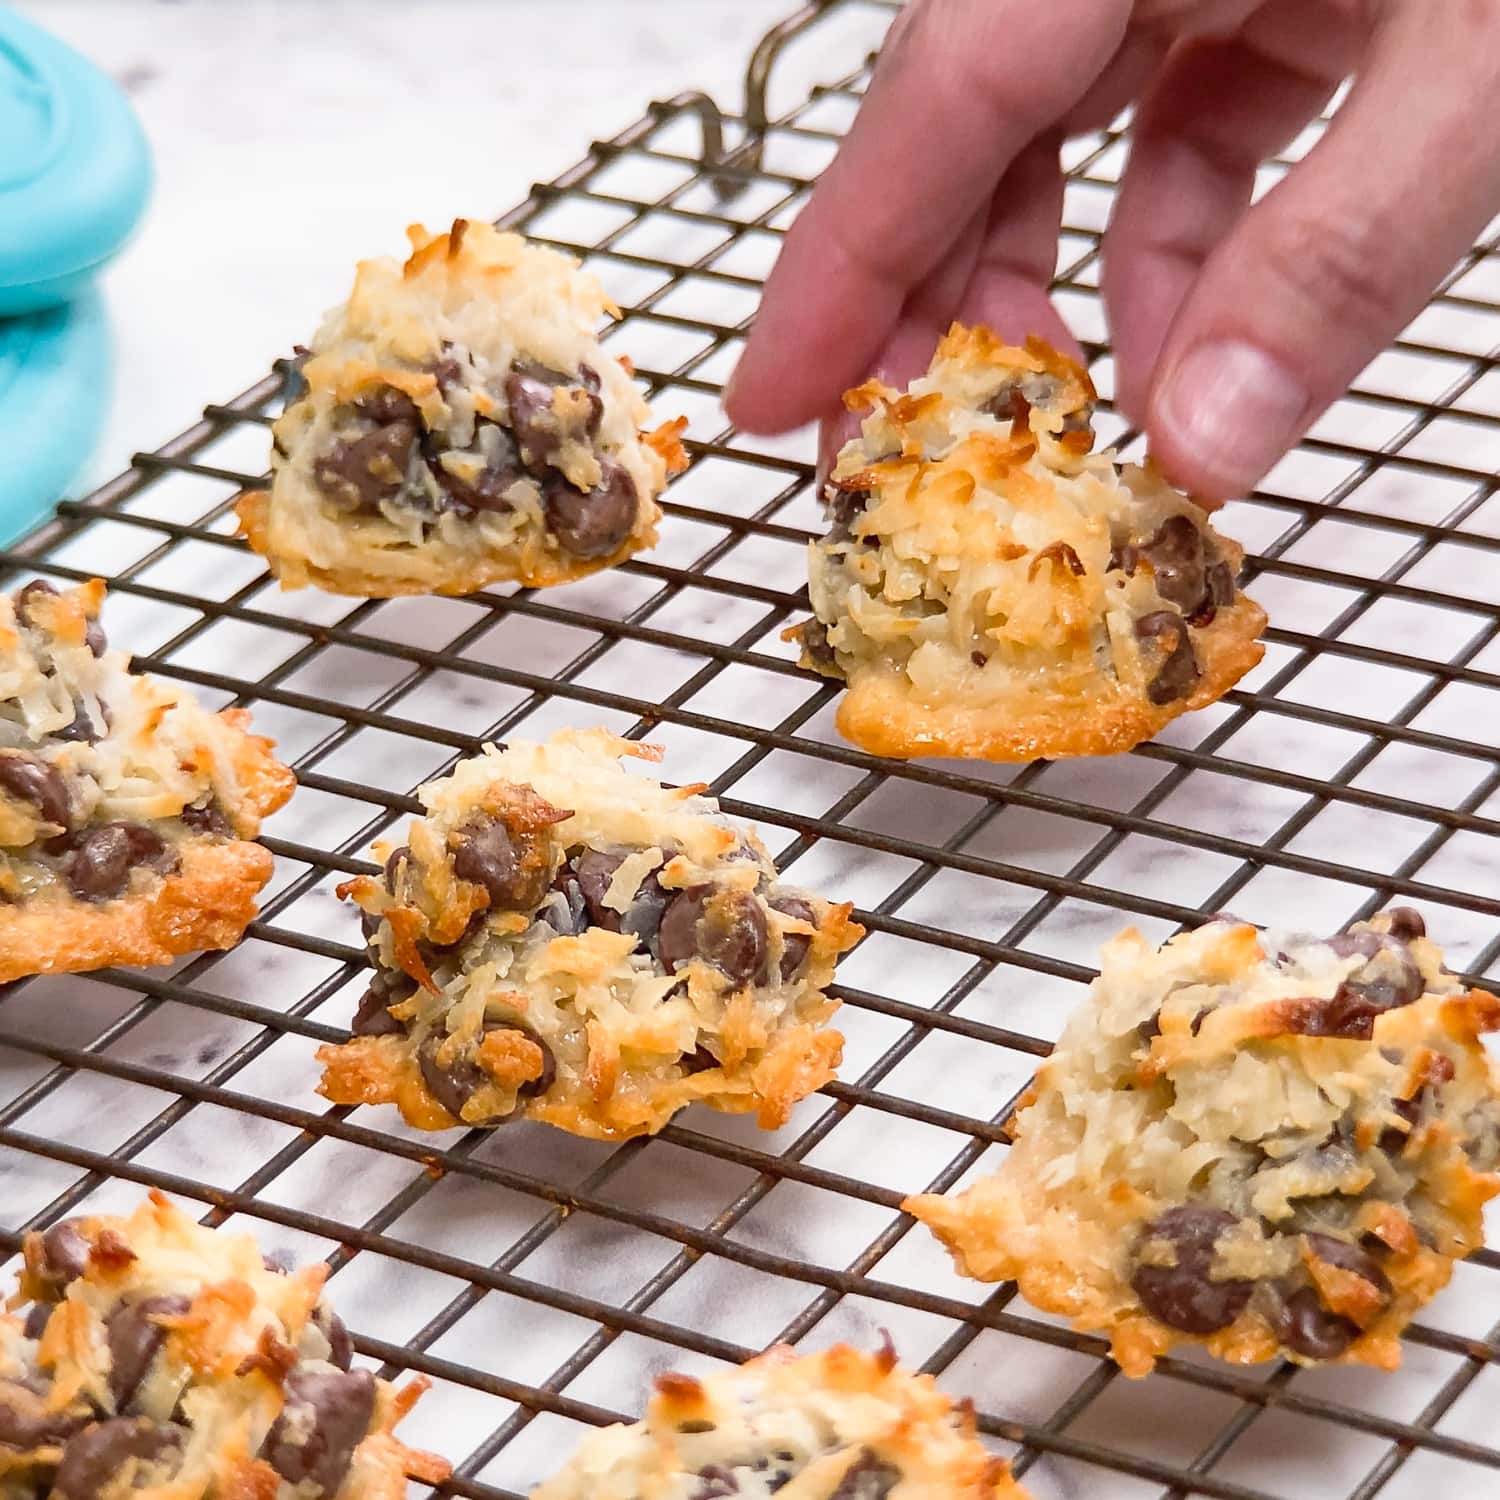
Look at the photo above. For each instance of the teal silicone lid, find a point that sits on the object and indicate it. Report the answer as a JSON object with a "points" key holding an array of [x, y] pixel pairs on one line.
{"points": [[75, 170], [54, 383]]}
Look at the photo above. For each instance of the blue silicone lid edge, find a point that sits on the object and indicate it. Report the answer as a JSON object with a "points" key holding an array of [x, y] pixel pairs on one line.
{"points": [[70, 204], [54, 386]]}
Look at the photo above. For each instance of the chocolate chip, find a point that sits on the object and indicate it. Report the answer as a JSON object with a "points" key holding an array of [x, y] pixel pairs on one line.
{"points": [[714, 1483], [94, 638], [1405, 924], [331, 1326], [81, 730], [1186, 1295], [814, 637], [591, 524], [103, 857], [26, 1421], [358, 474], [31, 779], [393, 865], [488, 487], [324, 1419], [1347, 944], [1175, 552], [1390, 979], [794, 945], [1218, 591], [1392, 1140], [699, 1060], [38, 1315], [95, 1459], [386, 405], [373, 1016], [867, 1478], [528, 393], [594, 870], [978, 658], [1306, 1327], [487, 856], [1347, 1257], [23, 598], [846, 503], [449, 373], [453, 1086], [63, 1258], [1178, 671], [208, 819], [724, 928], [135, 1338]]}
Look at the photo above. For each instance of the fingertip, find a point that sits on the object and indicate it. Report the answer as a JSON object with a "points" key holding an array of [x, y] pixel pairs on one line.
{"points": [[836, 429], [1222, 414]]}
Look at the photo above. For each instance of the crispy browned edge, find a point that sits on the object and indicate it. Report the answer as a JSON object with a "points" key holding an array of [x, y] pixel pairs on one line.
{"points": [[881, 712], [207, 904], [383, 1070], [253, 509]]}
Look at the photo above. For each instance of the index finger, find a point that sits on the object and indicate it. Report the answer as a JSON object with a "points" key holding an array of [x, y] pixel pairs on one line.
{"points": [[960, 91]]}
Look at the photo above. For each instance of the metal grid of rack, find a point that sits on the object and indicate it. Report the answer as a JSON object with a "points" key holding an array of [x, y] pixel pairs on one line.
{"points": [[540, 1281]]}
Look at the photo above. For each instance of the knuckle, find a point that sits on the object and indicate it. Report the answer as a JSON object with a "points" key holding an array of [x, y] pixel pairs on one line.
{"points": [[1337, 268]]}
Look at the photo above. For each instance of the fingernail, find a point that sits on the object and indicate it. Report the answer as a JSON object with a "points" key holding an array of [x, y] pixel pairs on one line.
{"points": [[1231, 411]]}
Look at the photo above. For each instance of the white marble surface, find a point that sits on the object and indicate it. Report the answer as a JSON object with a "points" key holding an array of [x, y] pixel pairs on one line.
{"points": [[294, 136]]}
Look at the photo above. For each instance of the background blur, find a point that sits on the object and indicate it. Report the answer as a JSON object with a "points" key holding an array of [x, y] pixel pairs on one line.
{"points": [[293, 137]]}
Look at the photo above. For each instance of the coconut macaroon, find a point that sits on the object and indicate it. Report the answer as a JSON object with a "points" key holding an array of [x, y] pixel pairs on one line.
{"points": [[561, 940], [127, 810], [991, 588], [461, 426], [152, 1354], [837, 1425], [1262, 1145]]}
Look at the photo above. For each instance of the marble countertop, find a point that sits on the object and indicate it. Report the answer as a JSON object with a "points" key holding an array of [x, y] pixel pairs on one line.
{"points": [[294, 136]]}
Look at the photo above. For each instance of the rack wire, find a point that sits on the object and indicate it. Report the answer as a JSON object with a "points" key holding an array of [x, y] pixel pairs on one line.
{"points": [[539, 1280]]}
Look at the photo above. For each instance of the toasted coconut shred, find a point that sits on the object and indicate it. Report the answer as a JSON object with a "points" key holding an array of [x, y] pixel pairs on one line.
{"points": [[992, 588], [1268, 1145], [836, 1425]]}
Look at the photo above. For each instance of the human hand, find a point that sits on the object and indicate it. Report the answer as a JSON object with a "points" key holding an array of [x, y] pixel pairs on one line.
{"points": [[1233, 326]]}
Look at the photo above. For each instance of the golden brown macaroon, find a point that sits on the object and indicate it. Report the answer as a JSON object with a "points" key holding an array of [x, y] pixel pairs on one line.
{"points": [[127, 810], [1263, 1145], [836, 1425], [156, 1357], [991, 588], [561, 940], [461, 425]]}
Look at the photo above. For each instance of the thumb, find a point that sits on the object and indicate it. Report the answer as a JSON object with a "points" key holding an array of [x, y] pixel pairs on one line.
{"points": [[1319, 275]]}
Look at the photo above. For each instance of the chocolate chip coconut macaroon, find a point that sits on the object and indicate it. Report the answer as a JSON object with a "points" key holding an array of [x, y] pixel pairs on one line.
{"points": [[991, 588], [1261, 1145], [156, 1355], [561, 940], [461, 426], [837, 1425], [127, 811]]}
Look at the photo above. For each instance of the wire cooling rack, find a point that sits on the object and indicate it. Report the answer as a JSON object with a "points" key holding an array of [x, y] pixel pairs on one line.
{"points": [[539, 1280]]}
